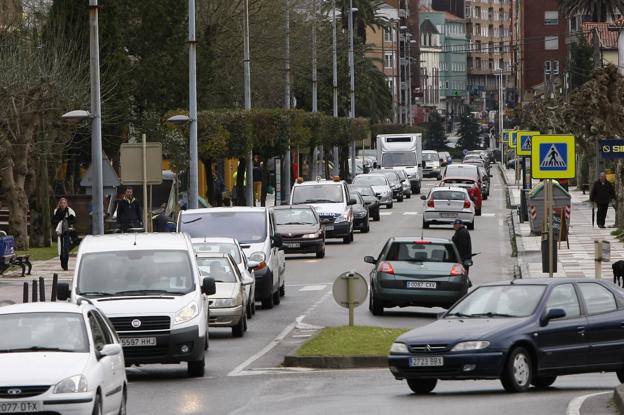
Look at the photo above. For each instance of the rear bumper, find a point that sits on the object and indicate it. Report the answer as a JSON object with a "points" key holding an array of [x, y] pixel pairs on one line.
{"points": [[456, 366], [436, 217], [406, 297], [167, 349]]}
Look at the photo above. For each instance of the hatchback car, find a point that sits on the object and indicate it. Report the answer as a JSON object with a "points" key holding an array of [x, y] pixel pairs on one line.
{"points": [[471, 185], [301, 229], [444, 205], [361, 215], [380, 185], [416, 272], [395, 183], [524, 332], [229, 303], [370, 200], [60, 358]]}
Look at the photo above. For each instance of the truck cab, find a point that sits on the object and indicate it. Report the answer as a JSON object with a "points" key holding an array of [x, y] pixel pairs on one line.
{"points": [[404, 152]]}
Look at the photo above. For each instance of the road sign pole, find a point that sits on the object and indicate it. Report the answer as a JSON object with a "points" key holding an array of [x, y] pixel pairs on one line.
{"points": [[145, 208], [550, 227], [598, 259], [350, 299]]}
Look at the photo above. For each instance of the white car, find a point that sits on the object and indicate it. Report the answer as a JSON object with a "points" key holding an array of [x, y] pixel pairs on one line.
{"points": [[444, 205], [60, 358], [245, 266], [380, 185]]}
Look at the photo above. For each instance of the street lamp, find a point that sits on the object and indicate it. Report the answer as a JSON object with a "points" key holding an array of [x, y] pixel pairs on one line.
{"points": [[352, 80]]}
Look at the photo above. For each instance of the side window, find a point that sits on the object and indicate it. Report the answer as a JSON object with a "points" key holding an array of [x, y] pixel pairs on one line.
{"points": [[564, 297], [597, 298], [107, 326], [99, 334]]}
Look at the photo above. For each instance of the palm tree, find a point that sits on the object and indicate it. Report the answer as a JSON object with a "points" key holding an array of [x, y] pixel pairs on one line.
{"points": [[367, 15], [600, 10]]}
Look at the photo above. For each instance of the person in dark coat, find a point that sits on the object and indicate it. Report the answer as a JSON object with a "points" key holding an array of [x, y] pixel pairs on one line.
{"points": [[129, 214], [462, 241], [602, 193], [63, 219]]}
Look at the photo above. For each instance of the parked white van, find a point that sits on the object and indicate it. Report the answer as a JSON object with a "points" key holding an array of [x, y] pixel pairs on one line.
{"points": [[149, 286]]}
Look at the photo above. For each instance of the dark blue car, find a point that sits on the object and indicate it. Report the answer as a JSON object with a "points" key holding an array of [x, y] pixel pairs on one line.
{"points": [[523, 332]]}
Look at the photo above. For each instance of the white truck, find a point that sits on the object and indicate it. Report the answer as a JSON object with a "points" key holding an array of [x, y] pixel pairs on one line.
{"points": [[402, 151]]}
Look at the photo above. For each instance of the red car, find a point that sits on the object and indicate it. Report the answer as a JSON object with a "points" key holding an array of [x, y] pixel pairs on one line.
{"points": [[471, 185]]}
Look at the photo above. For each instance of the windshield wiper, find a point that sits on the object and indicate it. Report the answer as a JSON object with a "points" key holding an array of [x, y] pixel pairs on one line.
{"points": [[296, 223], [192, 221], [459, 314], [490, 314], [37, 349], [144, 292], [96, 293]]}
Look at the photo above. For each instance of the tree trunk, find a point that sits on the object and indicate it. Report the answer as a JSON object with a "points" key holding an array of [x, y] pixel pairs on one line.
{"points": [[344, 162], [17, 203], [210, 191], [265, 183]]}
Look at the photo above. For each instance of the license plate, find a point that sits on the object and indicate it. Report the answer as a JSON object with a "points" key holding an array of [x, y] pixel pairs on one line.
{"points": [[422, 284], [448, 215], [138, 341], [292, 244], [426, 361], [329, 227], [20, 407]]}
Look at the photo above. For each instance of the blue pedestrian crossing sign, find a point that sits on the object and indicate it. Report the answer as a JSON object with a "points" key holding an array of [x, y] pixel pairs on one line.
{"points": [[513, 138], [524, 141], [553, 156]]}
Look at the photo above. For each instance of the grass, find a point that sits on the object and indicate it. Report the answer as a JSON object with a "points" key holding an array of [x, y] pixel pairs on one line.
{"points": [[351, 341], [42, 254]]}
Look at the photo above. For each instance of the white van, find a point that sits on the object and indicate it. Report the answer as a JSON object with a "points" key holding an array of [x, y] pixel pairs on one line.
{"points": [[404, 152], [149, 286]]}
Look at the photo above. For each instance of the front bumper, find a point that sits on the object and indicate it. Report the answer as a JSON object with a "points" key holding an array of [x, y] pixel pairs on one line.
{"points": [[226, 316], [167, 349], [384, 199], [359, 223], [471, 365], [338, 229], [51, 403], [302, 246]]}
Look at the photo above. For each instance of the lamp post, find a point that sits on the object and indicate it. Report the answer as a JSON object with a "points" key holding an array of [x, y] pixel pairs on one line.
{"points": [[247, 74], [314, 86], [287, 162], [334, 80], [193, 190], [352, 81]]}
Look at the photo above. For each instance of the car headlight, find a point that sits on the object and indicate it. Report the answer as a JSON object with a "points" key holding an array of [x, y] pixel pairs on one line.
{"points": [[260, 258], [74, 384], [471, 345], [388, 193], [360, 214], [225, 302], [343, 218], [398, 348], [312, 235], [187, 313]]}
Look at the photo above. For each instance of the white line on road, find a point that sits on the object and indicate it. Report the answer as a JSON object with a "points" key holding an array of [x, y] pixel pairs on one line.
{"points": [[313, 288], [410, 213], [385, 213], [574, 407], [488, 215]]}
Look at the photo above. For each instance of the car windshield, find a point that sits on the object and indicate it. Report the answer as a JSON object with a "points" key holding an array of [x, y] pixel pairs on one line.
{"points": [[430, 156], [371, 180], [500, 301], [396, 158], [247, 227], [364, 190], [218, 248], [135, 273], [217, 268], [317, 193], [294, 216], [421, 251], [392, 177], [49, 332], [448, 195]]}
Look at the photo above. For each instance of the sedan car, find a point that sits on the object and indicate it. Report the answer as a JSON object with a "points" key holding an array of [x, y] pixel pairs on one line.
{"points": [[301, 229], [524, 332], [361, 215], [471, 185], [229, 302], [370, 200], [60, 358], [416, 272], [444, 205], [405, 182], [380, 185], [395, 183]]}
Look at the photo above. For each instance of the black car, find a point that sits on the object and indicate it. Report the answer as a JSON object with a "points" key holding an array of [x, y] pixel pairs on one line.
{"points": [[370, 200], [361, 215], [395, 183], [523, 332], [301, 229]]}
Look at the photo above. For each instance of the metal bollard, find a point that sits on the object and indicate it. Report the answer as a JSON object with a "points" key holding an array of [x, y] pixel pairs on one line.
{"points": [[42, 289], [34, 291], [25, 293], [54, 287]]}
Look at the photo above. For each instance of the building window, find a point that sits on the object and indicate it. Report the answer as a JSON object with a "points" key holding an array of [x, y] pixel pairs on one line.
{"points": [[551, 43], [389, 60], [390, 83], [478, 45], [446, 84], [491, 64], [468, 12], [555, 67], [573, 24], [491, 13], [388, 34], [547, 67], [551, 18]]}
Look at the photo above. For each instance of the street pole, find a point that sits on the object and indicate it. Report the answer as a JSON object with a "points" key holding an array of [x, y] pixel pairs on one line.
{"points": [[314, 87], [335, 80], [247, 70], [287, 162], [193, 190], [97, 189], [500, 118], [549, 214], [352, 83], [409, 80]]}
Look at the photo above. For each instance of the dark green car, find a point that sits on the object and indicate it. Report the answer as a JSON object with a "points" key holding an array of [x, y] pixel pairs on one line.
{"points": [[416, 272]]}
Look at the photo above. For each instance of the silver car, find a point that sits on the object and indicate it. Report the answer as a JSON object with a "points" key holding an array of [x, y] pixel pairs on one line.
{"points": [[380, 186], [444, 205]]}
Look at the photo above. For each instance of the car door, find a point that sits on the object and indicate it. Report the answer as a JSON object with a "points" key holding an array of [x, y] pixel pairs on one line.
{"points": [[118, 366], [274, 250], [606, 324], [107, 363], [563, 342]]}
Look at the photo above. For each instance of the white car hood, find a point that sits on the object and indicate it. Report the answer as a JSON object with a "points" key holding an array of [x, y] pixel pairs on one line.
{"points": [[225, 290], [257, 247], [325, 208], [143, 306], [40, 368], [381, 189], [411, 170]]}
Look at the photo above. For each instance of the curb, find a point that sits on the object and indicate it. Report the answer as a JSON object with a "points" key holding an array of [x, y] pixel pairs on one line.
{"points": [[618, 397], [336, 362]]}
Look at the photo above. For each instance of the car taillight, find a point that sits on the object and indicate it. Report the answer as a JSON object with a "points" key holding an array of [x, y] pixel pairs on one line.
{"points": [[458, 270], [430, 203], [386, 268], [466, 204]]}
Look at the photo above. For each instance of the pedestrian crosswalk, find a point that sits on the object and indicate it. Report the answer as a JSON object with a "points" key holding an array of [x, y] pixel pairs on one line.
{"points": [[404, 213]]}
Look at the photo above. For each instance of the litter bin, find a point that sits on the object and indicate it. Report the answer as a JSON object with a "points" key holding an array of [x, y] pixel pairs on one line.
{"points": [[545, 255], [535, 206]]}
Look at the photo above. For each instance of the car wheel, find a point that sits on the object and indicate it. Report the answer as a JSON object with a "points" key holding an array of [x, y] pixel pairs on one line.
{"points": [[400, 199], [422, 386], [97, 406], [276, 297], [248, 310], [366, 227], [253, 306], [389, 205], [377, 216], [348, 239], [122, 405], [620, 375], [196, 368], [267, 303], [408, 195], [239, 329], [477, 212], [471, 225], [439, 177], [518, 372], [374, 306], [425, 224], [543, 382], [282, 291], [321, 252]]}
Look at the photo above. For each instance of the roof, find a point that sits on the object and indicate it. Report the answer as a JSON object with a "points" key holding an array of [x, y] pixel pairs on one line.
{"points": [[608, 39], [447, 188], [223, 209], [418, 238], [315, 182], [285, 207], [42, 307], [540, 281], [135, 241]]}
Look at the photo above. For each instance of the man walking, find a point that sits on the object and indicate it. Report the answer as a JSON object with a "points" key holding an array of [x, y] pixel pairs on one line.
{"points": [[462, 241], [129, 212], [602, 193]]}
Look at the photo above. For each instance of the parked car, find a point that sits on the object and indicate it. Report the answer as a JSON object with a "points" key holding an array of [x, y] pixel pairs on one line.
{"points": [[407, 187], [524, 332], [412, 271], [245, 267], [301, 230], [444, 205], [60, 358], [361, 215], [228, 304], [370, 200], [472, 187], [380, 185]]}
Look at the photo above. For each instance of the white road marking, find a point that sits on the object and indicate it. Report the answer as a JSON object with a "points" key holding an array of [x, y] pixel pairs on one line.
{"points": [[488, 215], [313, 288], [385, 213], [574, 407], [410, 213]]}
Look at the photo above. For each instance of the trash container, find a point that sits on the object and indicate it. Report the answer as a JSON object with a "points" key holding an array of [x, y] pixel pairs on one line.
{"points": [[535, 206]]}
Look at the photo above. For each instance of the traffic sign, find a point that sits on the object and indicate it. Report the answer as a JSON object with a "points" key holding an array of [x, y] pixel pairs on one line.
{"points": [[612, 149], [513, 136], [350, 290], [525, 139], [553, 157], [505, 138]]}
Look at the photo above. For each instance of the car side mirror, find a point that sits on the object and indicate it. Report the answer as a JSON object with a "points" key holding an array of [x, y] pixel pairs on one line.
{"points": [[110, 350], [63, 293], [423, 197], [277, 241], [352, 202], [369, 259], [468, 263], [552, 314], [208, 286], [251, 265]]}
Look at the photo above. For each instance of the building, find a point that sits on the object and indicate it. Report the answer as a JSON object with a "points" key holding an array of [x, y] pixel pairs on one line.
{"points": [[430, 59], [608, 40]]}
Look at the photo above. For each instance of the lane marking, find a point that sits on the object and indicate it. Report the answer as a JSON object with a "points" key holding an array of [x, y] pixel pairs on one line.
{"points": [[488, 215], [313, 288], [410, 213], [574, 407], [385, 213]]}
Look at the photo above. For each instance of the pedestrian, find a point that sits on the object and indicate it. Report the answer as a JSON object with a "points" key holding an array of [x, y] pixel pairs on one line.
{"points": [[462, 241], [63, 219], [129, 214], [257, 181], [601, 194]]}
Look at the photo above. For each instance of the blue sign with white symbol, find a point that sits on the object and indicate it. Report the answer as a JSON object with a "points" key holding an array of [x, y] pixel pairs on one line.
{"points": [[553, 156], [612, 149], [525, 142]]}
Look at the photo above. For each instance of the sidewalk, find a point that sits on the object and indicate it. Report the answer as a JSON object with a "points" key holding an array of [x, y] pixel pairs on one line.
{"points": [[578, 260]]}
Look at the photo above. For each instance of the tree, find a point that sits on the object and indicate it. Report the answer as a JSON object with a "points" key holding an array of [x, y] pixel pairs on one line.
{"points": [[468, 132], [435, 136], [600, 10], [581, 62]]}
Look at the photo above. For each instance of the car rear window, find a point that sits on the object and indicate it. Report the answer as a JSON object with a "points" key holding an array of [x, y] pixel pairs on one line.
{"points": [[448, 195], [459, 181], [421, 252], [462, 171]]}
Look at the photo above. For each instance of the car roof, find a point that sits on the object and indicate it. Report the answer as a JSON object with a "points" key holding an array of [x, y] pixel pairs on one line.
{"points": [[286, 207], [43, 307], [165, 241], [461, 166], [316, 182], [459, 178], [418, 238], [223, 209], [447, 188], [540, 281]]}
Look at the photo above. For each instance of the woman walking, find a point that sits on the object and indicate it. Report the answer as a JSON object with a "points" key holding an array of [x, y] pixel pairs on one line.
{"points": [[64, 219]]}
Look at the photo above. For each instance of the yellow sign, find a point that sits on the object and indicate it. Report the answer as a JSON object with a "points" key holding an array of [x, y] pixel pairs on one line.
{"points": [[553, 157], [524, 141]]}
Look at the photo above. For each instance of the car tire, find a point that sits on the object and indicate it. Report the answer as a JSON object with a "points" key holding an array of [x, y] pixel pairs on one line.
{"points": [[518, 372], [439, 177], [374, 306], [471, 225], [253, 306], [97, 405], [620, 375], [239, 329], [282, 290], [276, 297], [400, 199], [366, 227], [408, 196], [425, 224], [123, 410], [196, 368], [389, 205], [321, 252], [422, 386], [543, 382], [267, 303], [248, 310], [377, 217], [477, 212], [348, 239]]}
